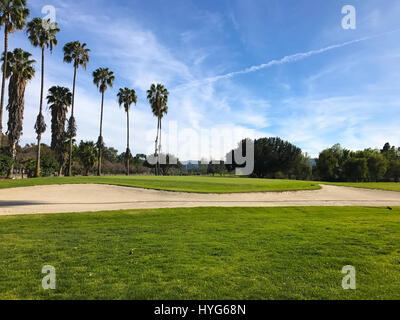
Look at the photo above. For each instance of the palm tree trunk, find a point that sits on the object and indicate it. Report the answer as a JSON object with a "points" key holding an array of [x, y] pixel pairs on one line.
{"points": [[127, 141], [159, 148], [101, 135], [13, 156], [3, 85], [155, 149], [39, 138], [156, 144], [156, 152], [72, 115]]}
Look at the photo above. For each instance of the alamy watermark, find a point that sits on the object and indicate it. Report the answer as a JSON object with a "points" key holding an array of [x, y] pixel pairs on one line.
{"points": [[49, 20], [49, 281], [349, 281], [349, 21], [215, 144]]}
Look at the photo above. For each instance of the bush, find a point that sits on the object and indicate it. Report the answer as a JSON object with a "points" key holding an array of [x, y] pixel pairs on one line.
{"points": [[5, 164], [48, 166], [29, 165]]}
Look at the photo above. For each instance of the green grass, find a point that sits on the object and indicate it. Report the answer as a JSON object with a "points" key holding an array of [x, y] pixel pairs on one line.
{"points": [[184, 184], [387, 186], [203, 253]]}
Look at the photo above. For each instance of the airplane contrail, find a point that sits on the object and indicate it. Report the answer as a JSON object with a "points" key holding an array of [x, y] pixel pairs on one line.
{"points": [[287, 59]]}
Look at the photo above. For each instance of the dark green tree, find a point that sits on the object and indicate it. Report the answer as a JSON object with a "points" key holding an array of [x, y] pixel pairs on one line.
{"points": [[393, 171], [377, 166], [328, 166], [274, 156], [389, 152], [356, 169]]}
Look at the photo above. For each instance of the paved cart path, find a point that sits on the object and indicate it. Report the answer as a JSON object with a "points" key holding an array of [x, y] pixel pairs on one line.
{"points": [[90, 197]]}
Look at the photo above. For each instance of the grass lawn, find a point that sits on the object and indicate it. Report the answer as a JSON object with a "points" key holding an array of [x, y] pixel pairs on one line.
{"points": [[388, 186], [203, 253], [185, 184]]}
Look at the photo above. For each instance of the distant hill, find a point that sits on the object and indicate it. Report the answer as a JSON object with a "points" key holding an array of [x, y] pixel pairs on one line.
{"points": [[191, 164]]}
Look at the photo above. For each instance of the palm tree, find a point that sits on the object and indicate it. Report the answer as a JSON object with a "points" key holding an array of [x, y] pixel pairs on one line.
{"points": [[102, 78], [158, 98], [87, 154], [20, 70], [13, 14], [78, 54], [125, 98], [41, 34], [59, 99]]}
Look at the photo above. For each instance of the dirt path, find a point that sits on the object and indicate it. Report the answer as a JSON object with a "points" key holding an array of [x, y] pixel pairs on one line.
{"points": [[82, 198]]}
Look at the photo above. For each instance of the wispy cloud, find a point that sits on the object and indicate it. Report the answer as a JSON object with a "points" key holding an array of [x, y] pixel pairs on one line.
{"points": [[287, 59], [318, 123]]}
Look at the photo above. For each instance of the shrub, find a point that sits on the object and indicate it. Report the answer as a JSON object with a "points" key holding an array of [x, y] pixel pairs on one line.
{"points": [[5, 164], [48, 166], [29, 165]]}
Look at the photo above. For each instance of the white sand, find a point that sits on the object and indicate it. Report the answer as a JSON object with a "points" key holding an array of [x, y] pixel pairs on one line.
{"points": [[82, 198]]}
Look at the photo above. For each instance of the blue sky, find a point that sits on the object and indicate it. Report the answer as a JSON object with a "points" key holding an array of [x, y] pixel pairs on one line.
{"points": [[348, 94]]}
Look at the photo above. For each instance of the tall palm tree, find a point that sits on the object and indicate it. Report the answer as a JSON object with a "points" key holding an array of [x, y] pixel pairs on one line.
{"points": [[78, 54], [59, 100], [102, 78], [41, 34], [13, 15], [125, 98], [158, 98], [20, 70]]}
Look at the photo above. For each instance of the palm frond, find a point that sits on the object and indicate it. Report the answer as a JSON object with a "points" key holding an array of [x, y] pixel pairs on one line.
{"points": [[126, 97], [103, 78], [77, 53]]}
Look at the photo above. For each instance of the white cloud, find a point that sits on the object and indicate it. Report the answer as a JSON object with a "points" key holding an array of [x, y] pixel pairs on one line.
{"points": [[315, 124]]}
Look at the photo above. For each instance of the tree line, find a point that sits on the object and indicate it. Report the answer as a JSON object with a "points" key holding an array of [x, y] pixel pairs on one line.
{"points": [[371, 165], [274, 158], [278, 159], [18, 67], [84, 161]]}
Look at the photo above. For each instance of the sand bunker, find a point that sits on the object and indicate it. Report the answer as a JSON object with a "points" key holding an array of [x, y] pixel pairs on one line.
{"points": [[82, 198]]}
